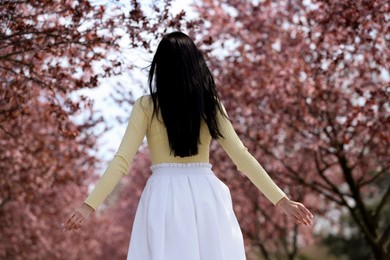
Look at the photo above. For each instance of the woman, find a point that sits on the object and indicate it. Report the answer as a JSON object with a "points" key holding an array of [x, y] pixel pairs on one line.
{"points": [[185, 211]]}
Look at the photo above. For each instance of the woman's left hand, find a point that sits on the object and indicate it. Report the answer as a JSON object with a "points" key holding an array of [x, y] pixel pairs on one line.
{"points": [[295, 210]]}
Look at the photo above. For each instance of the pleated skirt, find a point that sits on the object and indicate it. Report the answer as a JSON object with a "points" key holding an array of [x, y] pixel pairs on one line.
{"points": [[185, 213]]}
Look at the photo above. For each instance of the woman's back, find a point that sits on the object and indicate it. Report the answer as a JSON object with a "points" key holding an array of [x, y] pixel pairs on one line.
{"points": [[158, 142]]}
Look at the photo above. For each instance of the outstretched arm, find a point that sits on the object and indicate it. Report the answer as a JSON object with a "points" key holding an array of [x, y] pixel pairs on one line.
{"points": [[247, 164], [118, 167]]}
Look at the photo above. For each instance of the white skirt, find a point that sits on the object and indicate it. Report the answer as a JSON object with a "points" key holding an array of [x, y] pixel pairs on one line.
{"points": [[185, 213]]}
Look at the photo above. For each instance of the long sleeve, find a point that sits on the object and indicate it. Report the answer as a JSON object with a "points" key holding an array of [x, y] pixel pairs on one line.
{"points": [[245, 162], [120, 164]]}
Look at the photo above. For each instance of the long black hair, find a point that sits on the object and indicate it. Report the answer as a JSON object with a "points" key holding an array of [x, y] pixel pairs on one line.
{"points": [[184, 91]]}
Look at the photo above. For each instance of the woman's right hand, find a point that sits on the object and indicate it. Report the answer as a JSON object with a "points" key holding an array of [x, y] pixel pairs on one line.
{"points": [[78, 217], [295, 210]]}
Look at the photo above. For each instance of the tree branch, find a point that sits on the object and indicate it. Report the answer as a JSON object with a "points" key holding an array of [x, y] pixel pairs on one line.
{"points": [[356, 193], [314, 186], [385, 236], [322, 175], [376, 176], [8, 132], [382, 203]]}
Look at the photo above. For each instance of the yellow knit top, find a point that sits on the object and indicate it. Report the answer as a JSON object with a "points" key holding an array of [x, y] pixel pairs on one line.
{"points": [[142, 123]]}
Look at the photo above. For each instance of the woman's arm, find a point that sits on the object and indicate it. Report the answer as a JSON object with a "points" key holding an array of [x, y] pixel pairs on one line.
{"points": [[247, 164], [118, 167]]}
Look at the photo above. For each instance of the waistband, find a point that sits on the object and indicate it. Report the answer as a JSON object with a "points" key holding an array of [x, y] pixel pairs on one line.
{"points": [[181, 165], [180, 169]]}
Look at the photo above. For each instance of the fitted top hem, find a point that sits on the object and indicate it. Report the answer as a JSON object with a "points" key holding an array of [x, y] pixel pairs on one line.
{"points": [[181, 165]]}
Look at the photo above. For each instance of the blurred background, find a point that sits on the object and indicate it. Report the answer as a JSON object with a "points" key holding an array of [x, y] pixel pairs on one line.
{"points": [[305, 83]]}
